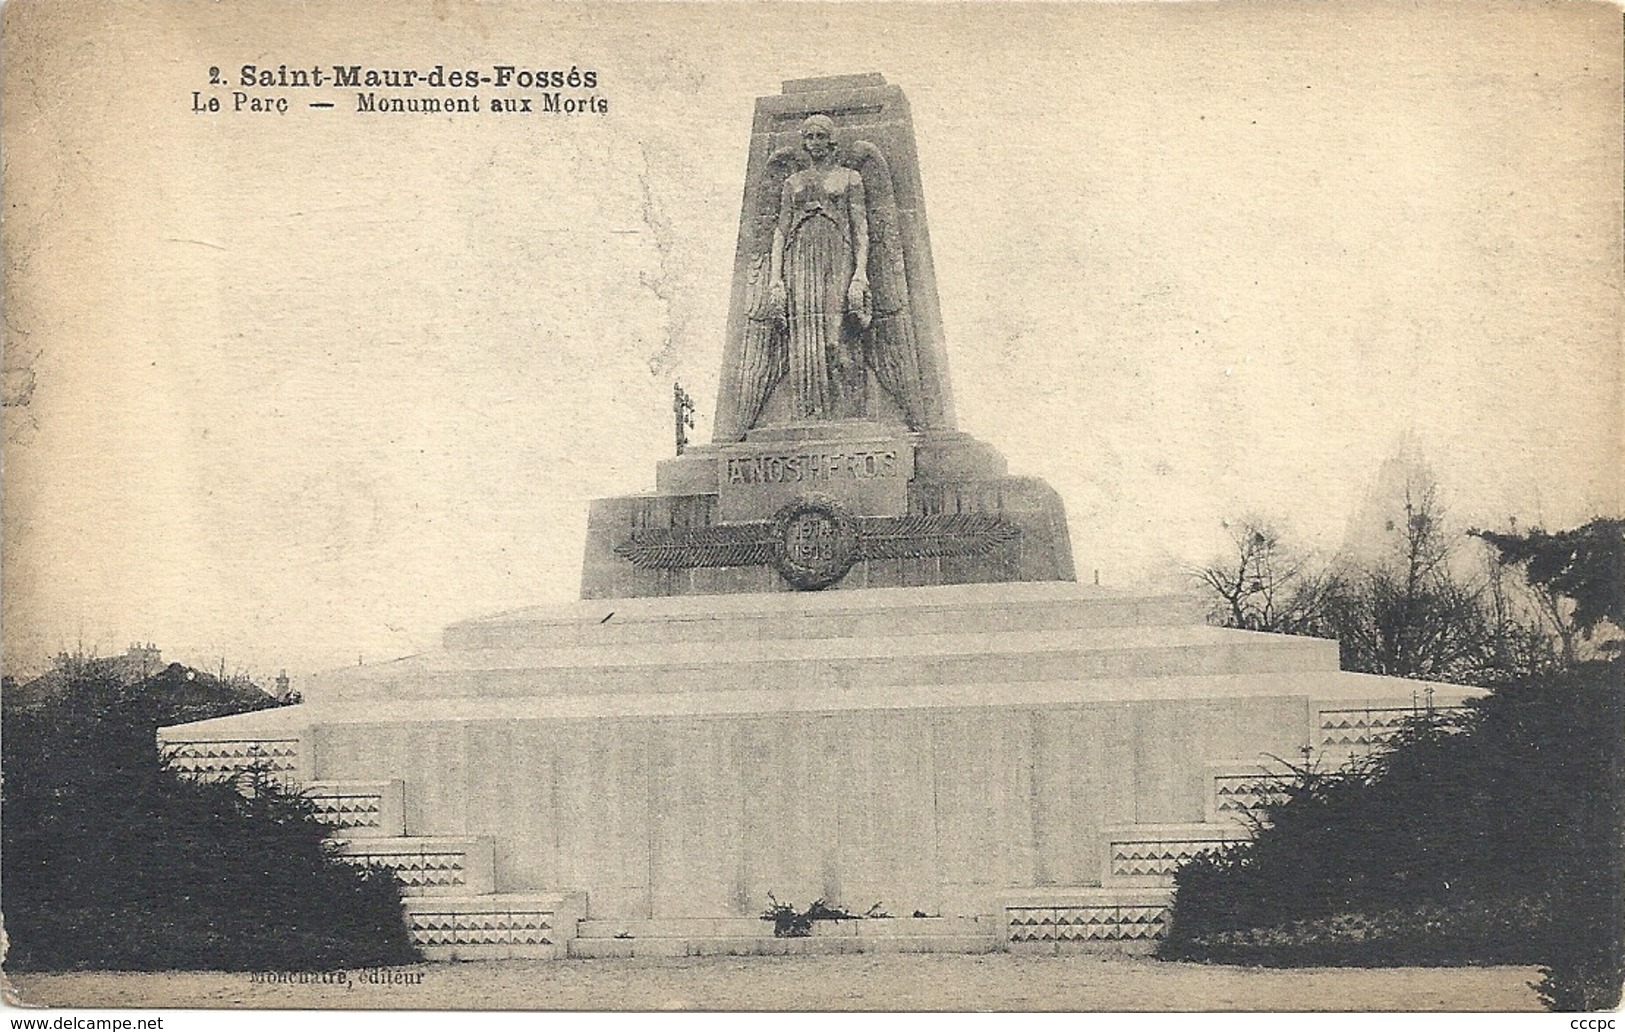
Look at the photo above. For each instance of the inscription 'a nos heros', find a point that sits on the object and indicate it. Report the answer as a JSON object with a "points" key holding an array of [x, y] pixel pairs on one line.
{"points": [[792, 469]]}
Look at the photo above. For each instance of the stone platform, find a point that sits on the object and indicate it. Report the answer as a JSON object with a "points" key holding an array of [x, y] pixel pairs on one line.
{"points": [[912, 509], [1038, 757]]}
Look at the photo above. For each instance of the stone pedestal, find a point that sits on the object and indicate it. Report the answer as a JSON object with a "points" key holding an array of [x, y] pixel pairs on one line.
{"points": [[955, 515]]}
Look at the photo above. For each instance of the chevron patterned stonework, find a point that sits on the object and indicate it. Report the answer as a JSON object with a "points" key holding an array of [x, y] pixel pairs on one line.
{"points": [[224, 759], [1150, 857], [1087, 923], [497, 928], [1362, 731], [425, 871], [493, 927], [349, 812], [360, 808], [429, 866], [1241, 795]]}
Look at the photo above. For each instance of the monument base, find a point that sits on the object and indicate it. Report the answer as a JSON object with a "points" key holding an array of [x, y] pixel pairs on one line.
{"points": [[1038, 757], [927, 485]]}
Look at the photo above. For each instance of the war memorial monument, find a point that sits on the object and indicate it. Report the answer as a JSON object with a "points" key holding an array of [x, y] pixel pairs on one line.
{"points": [[838, 653]]}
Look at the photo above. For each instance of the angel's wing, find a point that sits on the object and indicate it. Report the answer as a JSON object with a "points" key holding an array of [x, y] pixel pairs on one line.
{"points": [[763, 359], [781, 164], [893, 346]]}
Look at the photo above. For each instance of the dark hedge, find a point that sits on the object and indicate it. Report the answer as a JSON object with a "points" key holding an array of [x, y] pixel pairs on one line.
{"points": [[1498, 837], [111, 860]]}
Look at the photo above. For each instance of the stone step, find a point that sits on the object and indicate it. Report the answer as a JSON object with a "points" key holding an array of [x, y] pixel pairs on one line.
{"points": [[884, 612], [1345, 731], [1149, 854], [360, 809], [856, 663], [752, 927], [232, 744], [494, 926], [213, 752], [429, 866], [666, 928], [1112, 918], [768, 946]]}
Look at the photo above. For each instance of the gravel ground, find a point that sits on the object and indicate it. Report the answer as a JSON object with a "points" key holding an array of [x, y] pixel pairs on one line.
{"points": [[854, 982]]}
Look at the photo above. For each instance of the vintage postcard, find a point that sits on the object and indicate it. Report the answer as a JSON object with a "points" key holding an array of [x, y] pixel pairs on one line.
{"points": [[829, 506]]}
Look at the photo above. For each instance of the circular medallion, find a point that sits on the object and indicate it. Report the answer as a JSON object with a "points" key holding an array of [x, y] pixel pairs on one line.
{"points": [[815, 543]]}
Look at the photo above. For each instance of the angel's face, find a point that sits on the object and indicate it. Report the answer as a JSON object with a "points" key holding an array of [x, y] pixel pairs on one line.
{"points": [[815, 141]]}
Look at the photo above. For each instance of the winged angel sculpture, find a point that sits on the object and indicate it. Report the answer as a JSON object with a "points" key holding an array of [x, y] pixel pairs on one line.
{"points": [[829, 299]]}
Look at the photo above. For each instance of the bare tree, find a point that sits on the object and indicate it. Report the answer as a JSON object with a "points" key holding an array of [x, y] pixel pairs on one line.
{"points": [[1409, 614], [1409, 604], [1260, 584], [1523, 638]]}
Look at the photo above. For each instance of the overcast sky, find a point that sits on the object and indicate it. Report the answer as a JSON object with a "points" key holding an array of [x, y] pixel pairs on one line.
{"points": [[310, 386]]}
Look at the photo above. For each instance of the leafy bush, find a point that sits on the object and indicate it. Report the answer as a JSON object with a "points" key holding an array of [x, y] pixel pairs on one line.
{"points": [[1515, 810], [112, 860]]}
